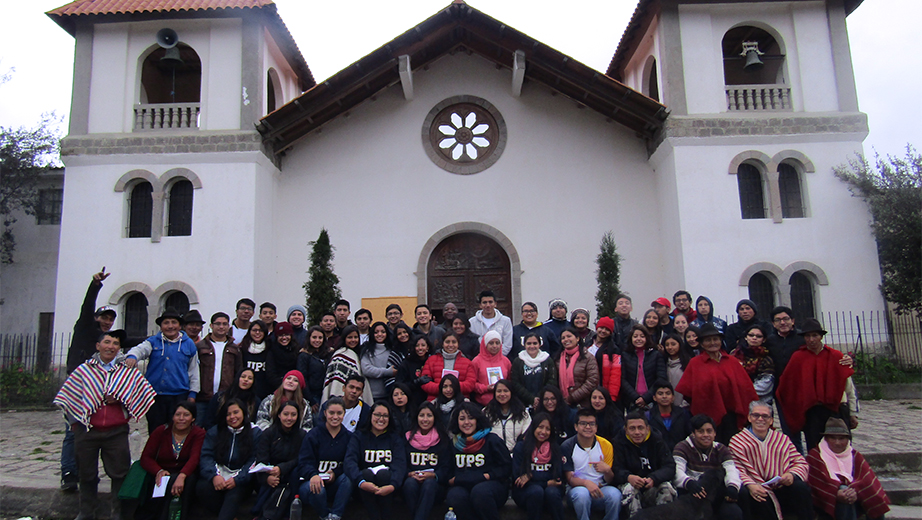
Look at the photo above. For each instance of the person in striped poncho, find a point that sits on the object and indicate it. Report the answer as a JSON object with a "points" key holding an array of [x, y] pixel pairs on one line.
{"points": [[98, 398]]}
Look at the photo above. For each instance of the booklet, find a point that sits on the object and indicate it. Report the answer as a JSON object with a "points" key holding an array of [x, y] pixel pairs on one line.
{"points": [[259, 467], [772, 482], [160, 491], [455, 373], [494, 374]]}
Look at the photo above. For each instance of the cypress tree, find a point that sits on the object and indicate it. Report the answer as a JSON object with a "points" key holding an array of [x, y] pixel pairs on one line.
{"points": [[322, 287], [608, 276]]}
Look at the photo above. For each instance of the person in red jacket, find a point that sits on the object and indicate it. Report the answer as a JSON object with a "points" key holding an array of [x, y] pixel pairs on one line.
{"points": [[449, 361], [489, 366]]}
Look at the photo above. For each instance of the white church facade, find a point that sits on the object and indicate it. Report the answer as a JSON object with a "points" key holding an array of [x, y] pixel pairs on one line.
{"points": [[460, 156]]}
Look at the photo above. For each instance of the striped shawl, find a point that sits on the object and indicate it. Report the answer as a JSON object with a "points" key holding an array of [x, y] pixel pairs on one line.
{"points": [[871, 494], [760, 461], [85, 389]]}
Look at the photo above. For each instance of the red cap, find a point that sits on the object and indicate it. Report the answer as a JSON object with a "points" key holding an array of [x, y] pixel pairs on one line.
{"points": [[662, 301]]}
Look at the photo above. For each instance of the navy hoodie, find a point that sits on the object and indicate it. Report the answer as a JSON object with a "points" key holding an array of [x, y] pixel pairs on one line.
{"points": [[468, 468], [367, 450], [540, 474], [436, 457], [321, 452]]}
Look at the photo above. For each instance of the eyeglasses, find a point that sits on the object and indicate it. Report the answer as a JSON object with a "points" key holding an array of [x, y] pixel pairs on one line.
{"points": [[761, 416], [757, 336], [529, 311], [380, 415], [549, 400], [782, 320], [583, 424], [682, 299]]}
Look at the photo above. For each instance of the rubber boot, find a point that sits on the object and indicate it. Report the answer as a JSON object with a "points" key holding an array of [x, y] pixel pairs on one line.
{"points": [[88, 500], [116, 513]]}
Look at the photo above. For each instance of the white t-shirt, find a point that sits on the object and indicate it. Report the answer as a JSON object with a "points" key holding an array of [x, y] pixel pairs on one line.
{"points": [[489, 321], [352, 416], [238, 334], [218, 359], [581, 462]]}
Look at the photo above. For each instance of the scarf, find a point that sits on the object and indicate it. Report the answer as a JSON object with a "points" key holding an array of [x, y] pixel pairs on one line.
{"points": [[449, 359], [753, 358], [472, 444], [447, 407], [423, 441], [257, 348], [542, 453], [566, 370], [533, 362], [641, 385], [85, 389], [838, 465]]}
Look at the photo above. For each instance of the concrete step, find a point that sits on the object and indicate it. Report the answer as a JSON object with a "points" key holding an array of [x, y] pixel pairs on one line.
{"points": [[898, 462], [905, 513], [903, 488]]}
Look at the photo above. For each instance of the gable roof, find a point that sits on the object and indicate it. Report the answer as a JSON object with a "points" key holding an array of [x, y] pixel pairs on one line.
{"points": [[98, 11], [462, 28], [643, 16]]}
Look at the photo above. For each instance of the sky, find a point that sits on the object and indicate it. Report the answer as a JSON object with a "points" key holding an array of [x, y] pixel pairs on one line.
{"points": [[332, 35]]}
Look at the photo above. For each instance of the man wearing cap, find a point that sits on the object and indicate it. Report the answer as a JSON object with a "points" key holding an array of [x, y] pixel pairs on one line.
{"points": [[661, 305], [682, 300], [83, 346], [843, 483], [813, 384], [192, 323], [219, 362], [173, 369], [98, 398], [556, 323]]}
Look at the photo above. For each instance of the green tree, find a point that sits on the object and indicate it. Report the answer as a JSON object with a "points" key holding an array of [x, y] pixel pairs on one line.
{"points": [[608, 275], [322, 287], [892, 188], [25, 155]]}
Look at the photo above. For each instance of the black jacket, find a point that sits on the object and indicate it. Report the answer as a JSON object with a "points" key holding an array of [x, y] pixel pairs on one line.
{"points": [[86, 330], [468, 468], [314, 372], [622, 332], [279, 448], [651, 459], [679, 429], [366, 450], [781, 349], [321, 452], [408, 373], [280, 360], [654, 368]]}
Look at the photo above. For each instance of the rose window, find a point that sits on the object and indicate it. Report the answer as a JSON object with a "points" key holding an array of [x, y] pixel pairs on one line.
{"points": [[464, 134]]}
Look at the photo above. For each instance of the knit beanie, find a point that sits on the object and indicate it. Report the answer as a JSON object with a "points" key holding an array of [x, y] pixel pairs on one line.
{"points": [[296, 307], [298, 374]]}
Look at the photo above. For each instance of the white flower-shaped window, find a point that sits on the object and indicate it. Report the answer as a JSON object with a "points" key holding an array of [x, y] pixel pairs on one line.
{"points": [[464, 134]]}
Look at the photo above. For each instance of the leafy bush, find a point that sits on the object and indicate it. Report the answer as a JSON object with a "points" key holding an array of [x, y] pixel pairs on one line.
{"points": [[881, 370], [19, 386]]}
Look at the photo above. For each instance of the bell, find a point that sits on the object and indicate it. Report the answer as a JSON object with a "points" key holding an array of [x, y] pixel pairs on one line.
{"points": [[753, 62], [172, 58]]}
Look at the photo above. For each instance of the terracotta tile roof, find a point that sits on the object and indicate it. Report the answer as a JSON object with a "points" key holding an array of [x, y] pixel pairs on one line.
{"points": [[151, 6]]}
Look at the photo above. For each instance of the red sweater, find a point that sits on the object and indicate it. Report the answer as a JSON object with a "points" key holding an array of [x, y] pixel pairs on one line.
{"points": [[433, 368], [158, 452], [484, 360]]}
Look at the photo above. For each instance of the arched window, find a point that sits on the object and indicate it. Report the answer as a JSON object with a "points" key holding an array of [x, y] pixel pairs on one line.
{"points": [[652, 80], [177, 300], [792, 205], [761, 291], [273, 90], [768, 51], [136, 316], [752, 201], [180, 209], [802, 300], [171, 76], [140, 209]]}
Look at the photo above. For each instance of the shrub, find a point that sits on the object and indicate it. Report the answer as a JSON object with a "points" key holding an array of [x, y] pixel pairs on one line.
{"points": [[20, 386]]}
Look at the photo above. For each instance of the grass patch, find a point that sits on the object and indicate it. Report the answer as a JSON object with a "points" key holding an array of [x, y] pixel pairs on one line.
{"points": [[881, 370], [57, 432], [38, 450], [45, 443], [914, 407]]}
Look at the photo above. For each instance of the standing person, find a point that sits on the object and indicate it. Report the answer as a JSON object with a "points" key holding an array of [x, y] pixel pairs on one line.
{"points": [[489, 318], [468, 342], [608, 357], [651, 320], [449, 311], [241, 324], [428, 455], [747, 315], [227, 454], [320, 463], [376, 461], [691, 340], [296, 316], [290, 391], [556, 322], [489, 367], [173, 369], [644, 465], [812, 387], [283, 354], [537, 467], [677, 358], [254, 349], [345, 363], [531, 371], [682, 300], [362, 319], [172, 452], [278, 447], [843, 483], [374, 361], [268, 312], [328, 324], [680, 324], [578, 372], [661, 307], [97, 399], [243, 390], [706, 316], [394, 316], [219, 361], [761, 455], [425, 326], [783, 341], [529, 325], [311, 364], [341, 311], [641, 366], [624, 306], [604, 330], [579, 321], [482, 466], [717, 385], [507, 414], [410, 371], [752, 353], [192, 325], [588, 470], [448, 361], [90, 324], [699, 453]]}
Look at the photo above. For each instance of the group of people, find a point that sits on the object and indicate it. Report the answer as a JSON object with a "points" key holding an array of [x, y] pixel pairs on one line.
{"points": [[622, 414]]}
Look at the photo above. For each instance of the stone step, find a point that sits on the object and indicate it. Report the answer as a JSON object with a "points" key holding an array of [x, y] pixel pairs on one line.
{"points": [[905, 513], [903, 488], [895, 463]]}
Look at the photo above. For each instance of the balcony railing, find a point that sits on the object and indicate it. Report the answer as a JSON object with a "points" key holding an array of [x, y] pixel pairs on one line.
{"points": [[166, 116], [758, 97]]}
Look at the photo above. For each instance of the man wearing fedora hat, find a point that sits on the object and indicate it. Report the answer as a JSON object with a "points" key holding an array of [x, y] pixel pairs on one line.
{"points": [[813, 385], [192, 323], [841, 478], [173, 367]]}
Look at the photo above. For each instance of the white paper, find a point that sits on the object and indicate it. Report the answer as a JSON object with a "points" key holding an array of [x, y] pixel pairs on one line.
{"points": [[324, 476], [259, 467], [226, 472], [772, 482], [494, 374], [376, 469], [160, 491], [455, 373]]}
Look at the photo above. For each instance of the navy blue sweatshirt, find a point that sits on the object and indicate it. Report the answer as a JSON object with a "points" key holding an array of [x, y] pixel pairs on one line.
{"points": [[367, 450], [468, 468], [321, 452], [436, 458], [540, 473]]}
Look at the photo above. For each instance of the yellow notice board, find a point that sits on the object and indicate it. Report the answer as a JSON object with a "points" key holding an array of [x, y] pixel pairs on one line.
{"points": [[378, 305]]}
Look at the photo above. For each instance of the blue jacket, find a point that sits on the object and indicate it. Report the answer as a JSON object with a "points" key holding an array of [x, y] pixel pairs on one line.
{"points": [[173, 367], [235, 460], [321, 452], [367, 451], [468, 468]]}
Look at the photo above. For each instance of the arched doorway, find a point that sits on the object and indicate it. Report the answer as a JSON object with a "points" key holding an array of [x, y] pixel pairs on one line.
{"points": [[463, 265]]}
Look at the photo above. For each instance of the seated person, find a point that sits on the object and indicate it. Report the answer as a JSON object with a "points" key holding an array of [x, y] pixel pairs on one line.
{"points": [[771, 469], [844, 485], [358, 412], [669, 421], [321, 463], [644, 465], [699, 453], [588, 470]]}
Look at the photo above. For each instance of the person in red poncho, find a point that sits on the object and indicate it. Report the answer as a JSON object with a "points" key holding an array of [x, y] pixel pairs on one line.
{"points": [[811, 388], [843, 483], [717, 385]]}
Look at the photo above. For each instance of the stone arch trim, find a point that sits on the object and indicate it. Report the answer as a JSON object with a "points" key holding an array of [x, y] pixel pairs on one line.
{"points": [[515, 264], [172, 286], [751, 156], [119, 295], [180, 173], [816, 271], [784, 155], [125, 180], [761, 267], [765, 27]]}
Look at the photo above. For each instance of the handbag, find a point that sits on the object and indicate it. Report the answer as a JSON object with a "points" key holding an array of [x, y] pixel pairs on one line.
{"points": [[135, 482]]}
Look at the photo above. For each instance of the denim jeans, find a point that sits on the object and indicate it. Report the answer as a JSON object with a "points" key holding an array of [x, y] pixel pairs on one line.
{"points": [[341, 491], [421, 497], [583, 503], [68, 455]]}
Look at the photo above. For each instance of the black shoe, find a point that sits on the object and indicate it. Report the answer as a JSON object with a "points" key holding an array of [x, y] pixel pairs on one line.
{"points": [[69, 482]]}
